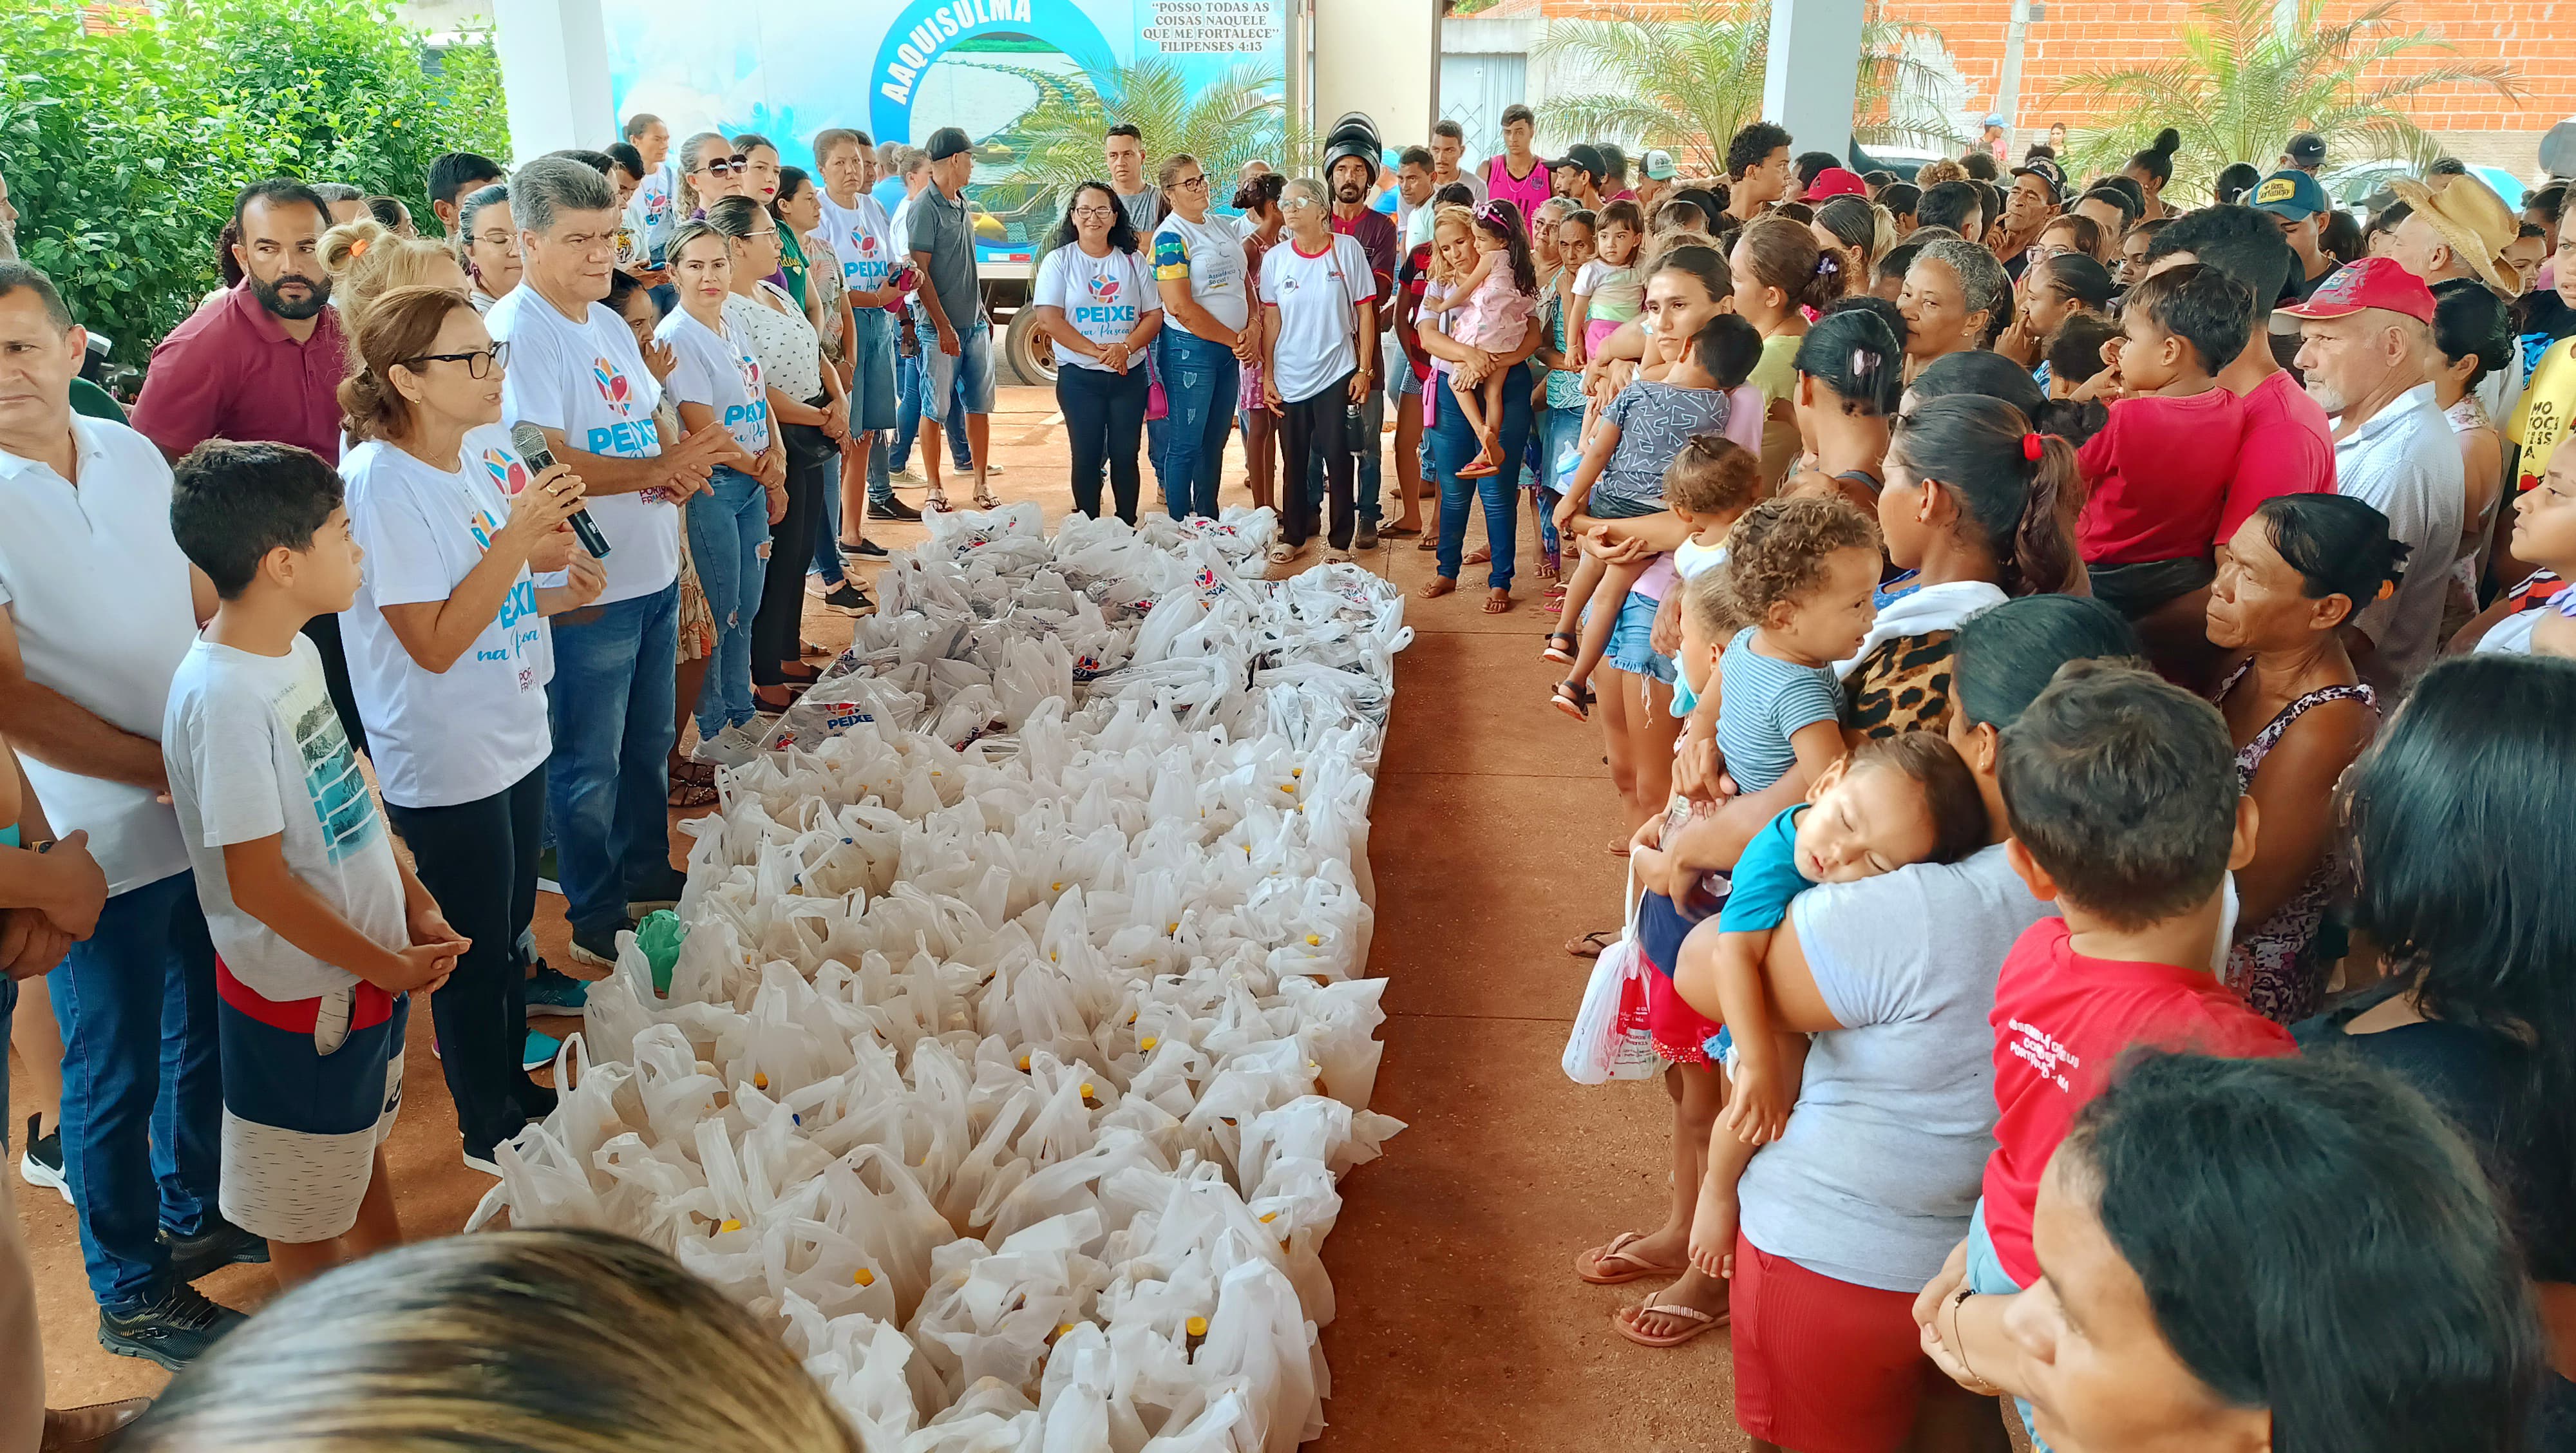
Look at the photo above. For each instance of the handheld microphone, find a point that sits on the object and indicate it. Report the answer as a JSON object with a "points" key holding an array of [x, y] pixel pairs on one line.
{"points": [[531, 443]]}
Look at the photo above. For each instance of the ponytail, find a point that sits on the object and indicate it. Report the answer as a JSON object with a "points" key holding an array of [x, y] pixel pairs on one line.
{"points": [[2017, 488], [1784, 255]]}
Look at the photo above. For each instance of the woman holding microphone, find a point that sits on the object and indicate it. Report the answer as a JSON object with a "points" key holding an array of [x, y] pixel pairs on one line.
{"points": [[467, 550]]}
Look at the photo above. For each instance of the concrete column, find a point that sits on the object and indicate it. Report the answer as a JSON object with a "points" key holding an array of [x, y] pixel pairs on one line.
{"points": [[1814, 71], [554, 74]]}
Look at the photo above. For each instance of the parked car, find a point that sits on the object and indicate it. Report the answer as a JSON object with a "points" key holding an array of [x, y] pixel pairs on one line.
{"points": [[2362, 188]]}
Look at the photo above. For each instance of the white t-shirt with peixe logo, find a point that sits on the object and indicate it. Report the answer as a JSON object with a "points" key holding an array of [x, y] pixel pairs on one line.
{"points": [[587, 380], [441, 738], [1101, 297], [716, 370], [862, 237]]}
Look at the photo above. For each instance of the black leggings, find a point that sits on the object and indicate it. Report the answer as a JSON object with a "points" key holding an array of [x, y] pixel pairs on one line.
{"points": [[777, 629], [479, 860], [1317, 423], [1104, 413], [324, 632]]}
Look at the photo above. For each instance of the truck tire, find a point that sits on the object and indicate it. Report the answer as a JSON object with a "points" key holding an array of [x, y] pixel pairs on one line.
{"points": [[1031, 357]]}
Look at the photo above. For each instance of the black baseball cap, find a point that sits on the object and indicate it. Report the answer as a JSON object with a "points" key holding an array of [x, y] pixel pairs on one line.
{"points": [[946, 142], [1585, 155], [2307, 149], [2046, 171]]}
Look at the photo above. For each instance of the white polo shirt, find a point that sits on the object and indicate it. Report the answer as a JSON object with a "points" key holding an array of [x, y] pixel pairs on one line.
{"points": [[99, 594], [2405, 463]]}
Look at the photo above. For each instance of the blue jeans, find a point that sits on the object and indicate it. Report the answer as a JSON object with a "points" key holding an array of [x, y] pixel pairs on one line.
{"points": [[1200, 381], [1365, 483], [143, 1095], [1987, 1278], [728, 525], [1453, 444], [607, 784]]}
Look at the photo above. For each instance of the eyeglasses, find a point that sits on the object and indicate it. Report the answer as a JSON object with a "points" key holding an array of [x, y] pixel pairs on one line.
{"points": [[725, 166], [766, 234], [1191, 184], [1095, 212], [478, 363]]}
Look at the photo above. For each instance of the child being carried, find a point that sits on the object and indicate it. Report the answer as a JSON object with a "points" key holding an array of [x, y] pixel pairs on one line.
{"points": [[1483, 281]]}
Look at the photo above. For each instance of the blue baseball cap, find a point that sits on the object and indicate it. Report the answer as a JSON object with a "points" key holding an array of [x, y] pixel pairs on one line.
{"points": [[2291, 195]]}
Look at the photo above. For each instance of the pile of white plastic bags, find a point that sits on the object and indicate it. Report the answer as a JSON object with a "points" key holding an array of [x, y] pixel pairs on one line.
{"points": [[1018, 1038]]}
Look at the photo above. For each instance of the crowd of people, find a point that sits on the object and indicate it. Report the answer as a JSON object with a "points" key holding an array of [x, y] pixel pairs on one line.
{"points": [[2079, 670]]}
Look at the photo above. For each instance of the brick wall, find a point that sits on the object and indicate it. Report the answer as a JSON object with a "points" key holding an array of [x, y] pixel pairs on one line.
{"points": [[2536, 37]]}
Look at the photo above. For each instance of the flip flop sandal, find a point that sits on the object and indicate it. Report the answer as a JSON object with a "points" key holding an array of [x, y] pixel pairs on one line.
{"points": [[985, 499], [1429, 542], [1397, 532], [691, 794], [1281, 554], [1592, 945], [1632, 1268], [938, 500], [1498, 605], [1561, 655], [1699, 1322], [1575, 701]]}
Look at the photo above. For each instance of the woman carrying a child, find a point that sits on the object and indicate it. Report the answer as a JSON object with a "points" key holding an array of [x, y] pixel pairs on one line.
{"points": [[1482, 415]]}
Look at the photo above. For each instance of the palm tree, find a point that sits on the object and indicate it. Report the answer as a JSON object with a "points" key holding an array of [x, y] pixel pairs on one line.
{"points": [[2250, 77], [1055, 145], [1688, 77]]}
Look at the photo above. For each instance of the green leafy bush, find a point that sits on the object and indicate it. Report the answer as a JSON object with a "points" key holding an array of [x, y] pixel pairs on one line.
{"points": [[125, 143]]}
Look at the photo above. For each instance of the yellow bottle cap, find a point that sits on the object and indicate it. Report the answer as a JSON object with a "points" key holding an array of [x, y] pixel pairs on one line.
{"points": [[863, 1277], [759, 1081], [1314, 940], [1198, 1326], [1269, 1216], [1287, 786], [1058, 888], [1086, 1089], [1148, 1044], [1062, 1328], [1296, 771], [1172, 927], [730, 1224], [1024, 1062]]}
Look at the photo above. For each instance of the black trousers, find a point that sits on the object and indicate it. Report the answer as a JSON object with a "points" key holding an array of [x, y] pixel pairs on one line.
{"points": [[1104, 413], [324, 632], [777, 629], [1317, 424], [479, 860]]}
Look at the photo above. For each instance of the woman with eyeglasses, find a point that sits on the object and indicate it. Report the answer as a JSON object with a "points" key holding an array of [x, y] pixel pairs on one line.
{"points": [[488, 245], [718, 383], [1094, 301], [449, 657], [710, 170], [811, 410], [1318, 356], [1199, 268]]}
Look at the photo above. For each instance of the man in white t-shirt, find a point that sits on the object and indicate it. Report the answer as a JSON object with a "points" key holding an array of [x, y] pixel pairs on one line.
{"points": [[1448, 146], [97, 607], [577, 375], [2363, 338]]}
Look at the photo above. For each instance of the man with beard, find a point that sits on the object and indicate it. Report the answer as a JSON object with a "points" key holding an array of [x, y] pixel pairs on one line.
{"points": [[1351, 172], [263, 364]]}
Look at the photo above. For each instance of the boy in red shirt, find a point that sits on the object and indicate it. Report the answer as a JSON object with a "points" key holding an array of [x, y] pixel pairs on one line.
{"points": [[2160, 467], [2121, 793]]}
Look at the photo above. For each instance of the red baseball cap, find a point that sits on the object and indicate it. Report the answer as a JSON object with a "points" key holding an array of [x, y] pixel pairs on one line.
{"points": [[1835, 181], [2373, 282]]}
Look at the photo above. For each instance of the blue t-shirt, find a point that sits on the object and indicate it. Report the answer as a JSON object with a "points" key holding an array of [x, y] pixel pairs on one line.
{"points": [[1764, 702], [1766, 877]]}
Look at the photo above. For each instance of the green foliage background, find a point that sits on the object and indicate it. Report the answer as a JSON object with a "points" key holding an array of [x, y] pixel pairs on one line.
{"points": [[124, 147]]}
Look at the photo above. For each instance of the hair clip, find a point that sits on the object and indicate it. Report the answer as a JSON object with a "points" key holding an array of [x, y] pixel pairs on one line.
{"points": [[358, 249], [2032, 446]]}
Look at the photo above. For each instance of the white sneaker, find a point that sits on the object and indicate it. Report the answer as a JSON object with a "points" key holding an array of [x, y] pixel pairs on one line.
{"points": [[991, 469], [731, 747], [908, 478]]}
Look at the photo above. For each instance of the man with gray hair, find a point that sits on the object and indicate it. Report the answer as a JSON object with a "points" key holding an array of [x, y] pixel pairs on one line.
{"points": [[956, 338], [576, 374], [347, 203], [2363, 339]]}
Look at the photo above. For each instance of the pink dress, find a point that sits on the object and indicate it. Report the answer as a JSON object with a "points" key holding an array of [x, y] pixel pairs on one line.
{"points": [[1497, 314]]}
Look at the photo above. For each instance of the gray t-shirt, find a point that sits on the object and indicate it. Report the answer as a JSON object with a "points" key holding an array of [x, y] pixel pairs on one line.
{"points": [[938, 226], [1655, 420], [1140, 208], [1873, 1181]]}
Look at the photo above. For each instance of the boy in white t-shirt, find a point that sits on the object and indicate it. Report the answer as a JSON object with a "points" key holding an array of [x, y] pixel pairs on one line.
{"points": [[321, 933]]}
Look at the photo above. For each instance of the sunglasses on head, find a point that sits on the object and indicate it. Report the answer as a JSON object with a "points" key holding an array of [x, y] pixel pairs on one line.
{"points": [[721, 166]]}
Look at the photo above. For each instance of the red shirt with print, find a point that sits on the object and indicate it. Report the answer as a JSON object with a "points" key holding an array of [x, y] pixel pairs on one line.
{"points": [[2062, 1021]]}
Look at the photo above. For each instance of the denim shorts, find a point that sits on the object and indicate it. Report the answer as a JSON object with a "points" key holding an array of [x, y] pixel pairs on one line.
{"points": [[1632, 641], [970, 373], [872, 387]]}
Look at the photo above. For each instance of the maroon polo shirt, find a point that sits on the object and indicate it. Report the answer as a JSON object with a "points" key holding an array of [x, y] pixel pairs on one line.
{"points": [[1376, 234], [231, 372]]}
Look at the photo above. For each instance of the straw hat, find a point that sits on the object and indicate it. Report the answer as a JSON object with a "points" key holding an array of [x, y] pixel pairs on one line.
{"points": [[2474, 221]]}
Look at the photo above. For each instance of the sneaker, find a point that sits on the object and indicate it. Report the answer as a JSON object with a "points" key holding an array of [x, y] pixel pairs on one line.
{"points": [[1366, 539], [895, 509], [483, 1163], [174, 1331], [662, 890], [220, 1245], [731, 747], [990, 470], [869, 548], [553, 991], [42, 1163], [546, 882], [598, 947], [908, 478], [539, 1051], [849, 600]]}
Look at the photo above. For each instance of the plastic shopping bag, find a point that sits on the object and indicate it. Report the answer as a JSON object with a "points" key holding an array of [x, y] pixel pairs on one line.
{"points": [[1610, 1039]]}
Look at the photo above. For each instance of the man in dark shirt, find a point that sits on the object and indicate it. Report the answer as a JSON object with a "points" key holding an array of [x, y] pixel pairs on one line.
{"points": [[263, 364], [1352, 176]]}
